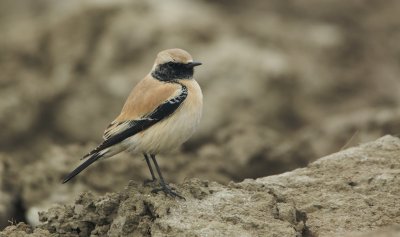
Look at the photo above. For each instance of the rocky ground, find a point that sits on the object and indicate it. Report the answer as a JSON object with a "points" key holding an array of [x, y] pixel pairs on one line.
{"points": [[284, 82], [344, 194]]}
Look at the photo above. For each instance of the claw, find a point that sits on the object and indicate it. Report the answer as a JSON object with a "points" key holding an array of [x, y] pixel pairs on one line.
{"points": [[167, 191]]}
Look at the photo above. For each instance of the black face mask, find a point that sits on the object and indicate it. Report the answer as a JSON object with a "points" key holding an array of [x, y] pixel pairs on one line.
{"points": [[173, 71]]}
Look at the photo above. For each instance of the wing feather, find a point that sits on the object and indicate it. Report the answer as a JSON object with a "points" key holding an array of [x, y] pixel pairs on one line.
{"points": [[121, 130]]}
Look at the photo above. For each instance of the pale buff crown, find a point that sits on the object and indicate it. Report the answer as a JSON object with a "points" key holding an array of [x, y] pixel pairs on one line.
{"points": [[173, 55]]}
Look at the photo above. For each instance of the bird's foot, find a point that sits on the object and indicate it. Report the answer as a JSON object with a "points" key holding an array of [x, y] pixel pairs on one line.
{"points": [[167, 190]]}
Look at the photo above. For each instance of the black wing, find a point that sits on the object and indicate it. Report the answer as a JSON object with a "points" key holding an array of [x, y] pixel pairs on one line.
{"points": [[135, 126]]}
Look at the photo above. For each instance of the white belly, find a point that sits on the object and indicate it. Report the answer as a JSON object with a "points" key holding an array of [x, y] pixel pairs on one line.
{"points": [[171, 132]]}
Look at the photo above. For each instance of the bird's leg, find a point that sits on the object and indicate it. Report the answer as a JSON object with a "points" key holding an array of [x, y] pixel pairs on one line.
{"points": [[164, 187], [153, 177]]}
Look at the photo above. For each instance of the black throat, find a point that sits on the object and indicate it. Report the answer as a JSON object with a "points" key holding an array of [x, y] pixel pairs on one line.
{"points": [[172, 71]]}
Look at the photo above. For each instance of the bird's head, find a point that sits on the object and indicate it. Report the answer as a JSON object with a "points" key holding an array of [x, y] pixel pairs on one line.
{"points": [[173, 64]]}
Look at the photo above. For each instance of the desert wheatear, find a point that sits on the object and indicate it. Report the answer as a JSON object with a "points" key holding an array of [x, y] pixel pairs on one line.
{"points": [[162, 112]]}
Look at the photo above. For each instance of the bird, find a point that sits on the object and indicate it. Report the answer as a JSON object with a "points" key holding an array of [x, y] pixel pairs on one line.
{"points": [[162, 112]]}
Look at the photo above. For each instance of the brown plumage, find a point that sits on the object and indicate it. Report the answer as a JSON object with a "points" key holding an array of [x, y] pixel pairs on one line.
{"points": [[142, 100]]}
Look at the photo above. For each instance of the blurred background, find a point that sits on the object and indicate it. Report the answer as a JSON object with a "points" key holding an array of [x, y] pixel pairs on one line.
{"points": [[284, 83]]}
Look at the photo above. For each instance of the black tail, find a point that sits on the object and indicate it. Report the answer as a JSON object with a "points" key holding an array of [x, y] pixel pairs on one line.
{"points": [[83, 166]]}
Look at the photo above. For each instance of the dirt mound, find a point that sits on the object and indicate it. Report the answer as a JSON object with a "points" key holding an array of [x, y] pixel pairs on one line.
{"points": [[284, 82], [356, 190]]}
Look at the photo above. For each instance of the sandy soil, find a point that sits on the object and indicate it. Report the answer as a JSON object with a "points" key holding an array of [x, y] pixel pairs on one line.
{"points": [[347, 193]]}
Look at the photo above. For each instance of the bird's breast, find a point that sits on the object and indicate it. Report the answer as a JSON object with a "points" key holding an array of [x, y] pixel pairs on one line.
{"points": [[194, 101]]}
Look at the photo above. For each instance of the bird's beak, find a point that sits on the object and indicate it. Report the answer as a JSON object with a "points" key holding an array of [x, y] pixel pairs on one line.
{"points": [[193, 64]]}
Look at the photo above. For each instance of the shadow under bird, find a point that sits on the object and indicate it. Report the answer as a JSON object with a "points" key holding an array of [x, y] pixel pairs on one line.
{"points": [[162, 112]]}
